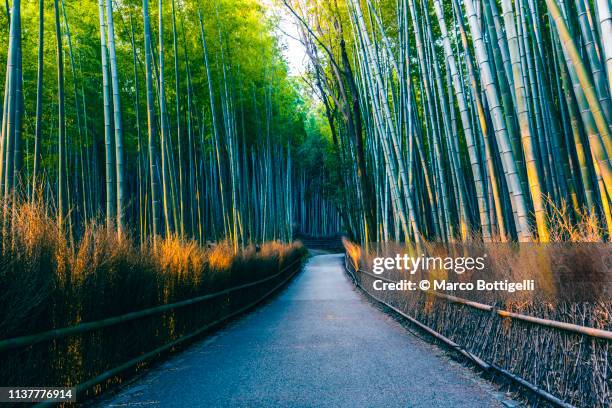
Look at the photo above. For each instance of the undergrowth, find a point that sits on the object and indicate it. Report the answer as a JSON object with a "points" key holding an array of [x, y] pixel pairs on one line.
{"points": [[50, 281]]}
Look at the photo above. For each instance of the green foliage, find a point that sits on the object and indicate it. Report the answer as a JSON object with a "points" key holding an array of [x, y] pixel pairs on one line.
{"points": [[251, 52]]}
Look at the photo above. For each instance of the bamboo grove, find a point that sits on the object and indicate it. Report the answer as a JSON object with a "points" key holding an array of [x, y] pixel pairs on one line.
{"points": [[462, 117], [172, 118]]}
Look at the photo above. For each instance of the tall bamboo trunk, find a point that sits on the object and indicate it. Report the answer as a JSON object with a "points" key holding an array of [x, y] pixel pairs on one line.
{"points": [[533, 175], [62, 200], [152, 128], [465, 120], [119, 166], [164, 129], [108, 143], [519, 205], [39, 95], [179, 131]]}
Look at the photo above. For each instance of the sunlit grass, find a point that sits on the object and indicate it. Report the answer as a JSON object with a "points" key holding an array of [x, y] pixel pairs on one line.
{"points": [[353, 251], [559, 269], [574, 225], [49, 280], [220, 257]]}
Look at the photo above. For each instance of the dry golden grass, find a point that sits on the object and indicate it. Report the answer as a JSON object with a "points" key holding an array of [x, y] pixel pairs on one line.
{"points": [[569, 275], [50, 281], [220, 257], [353, 251], [582, 227], [573, 267]]}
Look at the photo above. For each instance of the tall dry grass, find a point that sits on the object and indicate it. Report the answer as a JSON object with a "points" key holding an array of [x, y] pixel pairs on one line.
{"points": [[49, 281], [571, 225], [573, 279]]}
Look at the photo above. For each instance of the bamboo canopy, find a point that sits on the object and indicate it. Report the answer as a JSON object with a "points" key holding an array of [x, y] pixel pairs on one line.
{"points": [[161, 119], [479, 117]]}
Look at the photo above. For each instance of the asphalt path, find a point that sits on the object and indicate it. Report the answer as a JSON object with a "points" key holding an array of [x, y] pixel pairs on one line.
{"points": [[319, 343]]}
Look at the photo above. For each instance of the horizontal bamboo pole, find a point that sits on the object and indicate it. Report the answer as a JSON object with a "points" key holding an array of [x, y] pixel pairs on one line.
{"points": [[131, 363], [587, 331], [111, 321], [481, 363]]}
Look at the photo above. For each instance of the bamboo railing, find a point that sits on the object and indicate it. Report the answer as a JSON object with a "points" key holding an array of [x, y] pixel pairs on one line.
{"points": [[587, 331], [593, 333], [51, 335]]}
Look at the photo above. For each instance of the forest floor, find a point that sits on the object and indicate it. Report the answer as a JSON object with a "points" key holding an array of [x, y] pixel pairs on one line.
{"points": [[318, 343]]}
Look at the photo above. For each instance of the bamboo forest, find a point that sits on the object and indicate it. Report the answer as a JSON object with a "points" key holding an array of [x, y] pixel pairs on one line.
{"points": [[167, 166], [454, 118], [413, 121]]}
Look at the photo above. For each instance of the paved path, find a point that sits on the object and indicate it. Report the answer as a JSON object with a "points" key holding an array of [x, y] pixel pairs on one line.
{"points": [[317, 344]]}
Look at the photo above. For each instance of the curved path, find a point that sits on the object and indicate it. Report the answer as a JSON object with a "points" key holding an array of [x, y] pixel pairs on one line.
{"points": [[318, 343]]}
